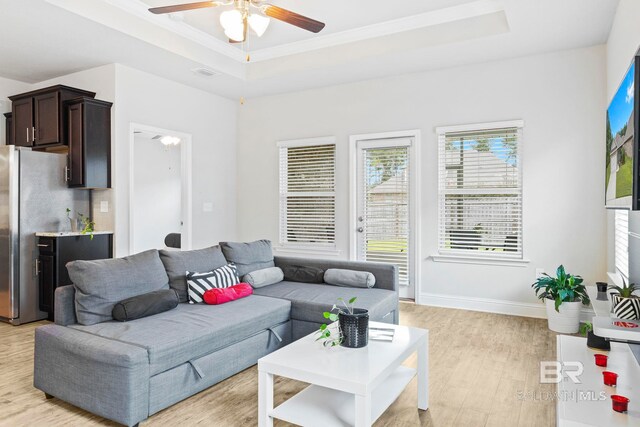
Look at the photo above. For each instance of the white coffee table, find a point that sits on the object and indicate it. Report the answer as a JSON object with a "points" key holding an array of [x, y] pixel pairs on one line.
{"points": [[349, 387]]}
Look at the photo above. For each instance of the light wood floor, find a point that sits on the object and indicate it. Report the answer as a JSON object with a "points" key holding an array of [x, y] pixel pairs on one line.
{"points": [[479, 366]]}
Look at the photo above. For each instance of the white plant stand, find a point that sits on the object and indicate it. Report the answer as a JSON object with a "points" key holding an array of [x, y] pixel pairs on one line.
{"points": [[349, 387], [588, 403]]}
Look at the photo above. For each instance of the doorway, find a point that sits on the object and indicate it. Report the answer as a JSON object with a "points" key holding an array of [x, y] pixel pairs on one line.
{"points": [[159, 189], [384, 201]]}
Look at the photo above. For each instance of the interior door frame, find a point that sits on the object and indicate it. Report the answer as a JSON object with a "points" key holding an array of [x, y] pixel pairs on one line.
{"points": [[414, 211], [186, 178]]}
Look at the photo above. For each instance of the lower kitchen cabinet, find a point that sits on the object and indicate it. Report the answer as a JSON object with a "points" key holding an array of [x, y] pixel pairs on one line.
{"points": [[56, 251]]}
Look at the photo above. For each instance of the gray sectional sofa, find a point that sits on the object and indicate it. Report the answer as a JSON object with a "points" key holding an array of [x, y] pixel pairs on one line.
{"points": [[128, 371]]}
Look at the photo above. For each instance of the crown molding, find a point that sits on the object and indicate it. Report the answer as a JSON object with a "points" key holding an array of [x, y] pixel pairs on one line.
{"points": [[409, 23]]}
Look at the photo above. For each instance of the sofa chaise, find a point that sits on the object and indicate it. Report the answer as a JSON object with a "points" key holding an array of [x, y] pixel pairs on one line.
{"points": [[128, 371]]}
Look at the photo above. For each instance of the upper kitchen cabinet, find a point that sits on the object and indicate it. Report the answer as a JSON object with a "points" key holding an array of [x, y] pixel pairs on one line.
{"points": [[40, 116], [89, 126]]}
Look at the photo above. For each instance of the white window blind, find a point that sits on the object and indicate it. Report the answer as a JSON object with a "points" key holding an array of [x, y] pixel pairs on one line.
{"points": [[480, 192], [622, 242], [307, 195]]}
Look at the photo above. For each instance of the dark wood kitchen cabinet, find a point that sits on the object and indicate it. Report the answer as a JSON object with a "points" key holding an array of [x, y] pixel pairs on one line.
{"points": [[56, 252], [8, 127], [89, 125], [40, 116]]}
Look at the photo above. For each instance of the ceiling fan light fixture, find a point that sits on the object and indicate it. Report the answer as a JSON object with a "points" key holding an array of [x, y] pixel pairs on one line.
{"points": [[231, 19], [258, 23]]}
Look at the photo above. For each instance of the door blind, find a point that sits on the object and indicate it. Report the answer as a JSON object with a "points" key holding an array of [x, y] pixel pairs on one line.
{"points": [[480, 193], [385, 220], [622, 242], [307, 195]]}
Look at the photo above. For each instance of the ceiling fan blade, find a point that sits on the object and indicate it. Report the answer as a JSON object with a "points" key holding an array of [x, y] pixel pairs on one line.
{"points": [[183, 7], [293, 18]]}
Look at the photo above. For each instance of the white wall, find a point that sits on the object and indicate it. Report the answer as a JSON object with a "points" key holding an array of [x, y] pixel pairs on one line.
{"points": [[157, 193], [561, 97], [8, 88], [623, 43], [211, 120]]}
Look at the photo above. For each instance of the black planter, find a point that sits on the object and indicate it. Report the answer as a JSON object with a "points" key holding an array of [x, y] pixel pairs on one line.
{"points": [[596, 342], [355, 328]]}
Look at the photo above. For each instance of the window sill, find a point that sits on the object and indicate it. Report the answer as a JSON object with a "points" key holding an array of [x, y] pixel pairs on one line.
{"points": [[504, 262], [302, 250]]}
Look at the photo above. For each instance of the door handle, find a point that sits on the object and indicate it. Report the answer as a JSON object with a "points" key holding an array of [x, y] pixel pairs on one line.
{"points": [[360, 229], [37, 267]]}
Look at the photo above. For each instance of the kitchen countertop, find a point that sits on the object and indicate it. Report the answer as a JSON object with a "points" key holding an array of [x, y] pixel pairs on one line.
{"points": [[68, 233]]}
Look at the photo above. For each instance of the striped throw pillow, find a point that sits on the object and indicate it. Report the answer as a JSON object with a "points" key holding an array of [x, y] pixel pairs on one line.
{"points": [[199, 283]]}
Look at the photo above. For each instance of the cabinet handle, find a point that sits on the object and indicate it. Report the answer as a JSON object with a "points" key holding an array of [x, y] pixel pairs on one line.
{"points": [[42, 245], [37, 268], [67, 174], [28, 135], [33, 134]]}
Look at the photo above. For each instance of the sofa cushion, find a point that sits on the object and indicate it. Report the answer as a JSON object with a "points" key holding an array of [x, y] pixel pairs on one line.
{"points": [[265, 277], [191, 331], [145, 305], [101, 284], [309, 301], [349, 278], [300, 273], [199, 283], [177, 263], [249, 257]]}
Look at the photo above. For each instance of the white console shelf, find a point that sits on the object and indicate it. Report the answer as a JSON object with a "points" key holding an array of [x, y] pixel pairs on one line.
{"points": [[588, 404]]}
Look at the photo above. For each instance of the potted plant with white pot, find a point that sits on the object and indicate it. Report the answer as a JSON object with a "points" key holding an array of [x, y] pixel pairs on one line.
{"points": [[625, 304], [563, 296]]}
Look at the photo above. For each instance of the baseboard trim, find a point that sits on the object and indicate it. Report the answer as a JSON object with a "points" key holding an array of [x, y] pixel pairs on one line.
{"points": [[488, 305]]}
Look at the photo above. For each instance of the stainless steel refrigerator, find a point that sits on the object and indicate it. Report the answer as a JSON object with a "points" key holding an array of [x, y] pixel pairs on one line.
{"points": [[33, 198]]}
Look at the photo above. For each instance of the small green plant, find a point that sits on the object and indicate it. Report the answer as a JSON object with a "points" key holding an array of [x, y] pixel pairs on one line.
{"points": [[329, 337], [88, 225], [585, 328], [564, 287], [625, 291]]}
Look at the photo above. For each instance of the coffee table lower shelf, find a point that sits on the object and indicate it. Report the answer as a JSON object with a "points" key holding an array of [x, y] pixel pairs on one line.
{"points": [[321, 406]]}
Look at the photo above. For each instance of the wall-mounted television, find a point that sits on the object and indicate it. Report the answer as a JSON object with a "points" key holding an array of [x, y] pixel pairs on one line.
{"points": [[622, 157]]}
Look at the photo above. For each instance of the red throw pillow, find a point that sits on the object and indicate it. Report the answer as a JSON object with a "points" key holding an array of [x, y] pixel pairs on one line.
{"points": [[220, 296]]}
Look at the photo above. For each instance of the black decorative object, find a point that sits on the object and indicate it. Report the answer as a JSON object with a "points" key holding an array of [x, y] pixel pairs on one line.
{"points": [[602, 291], [596, 342], [354, 328]]}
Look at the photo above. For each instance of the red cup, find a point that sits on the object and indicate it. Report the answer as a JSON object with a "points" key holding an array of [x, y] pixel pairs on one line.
{"points": [[610, 378], [619, 403], [601, 360]]}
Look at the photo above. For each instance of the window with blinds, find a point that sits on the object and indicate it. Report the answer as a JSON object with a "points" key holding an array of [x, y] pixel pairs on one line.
{"points": [[621, 252], [480, 192], [307, 195]]}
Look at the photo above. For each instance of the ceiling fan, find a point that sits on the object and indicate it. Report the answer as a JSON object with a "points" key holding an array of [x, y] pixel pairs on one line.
{"points": [[246, 14]]}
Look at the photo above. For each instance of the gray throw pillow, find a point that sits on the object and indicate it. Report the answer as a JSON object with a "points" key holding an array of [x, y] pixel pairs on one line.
{"points": [[349, 278], [264, 277], [145, 305], [177, 263], [101, 284], [248, 257]]}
